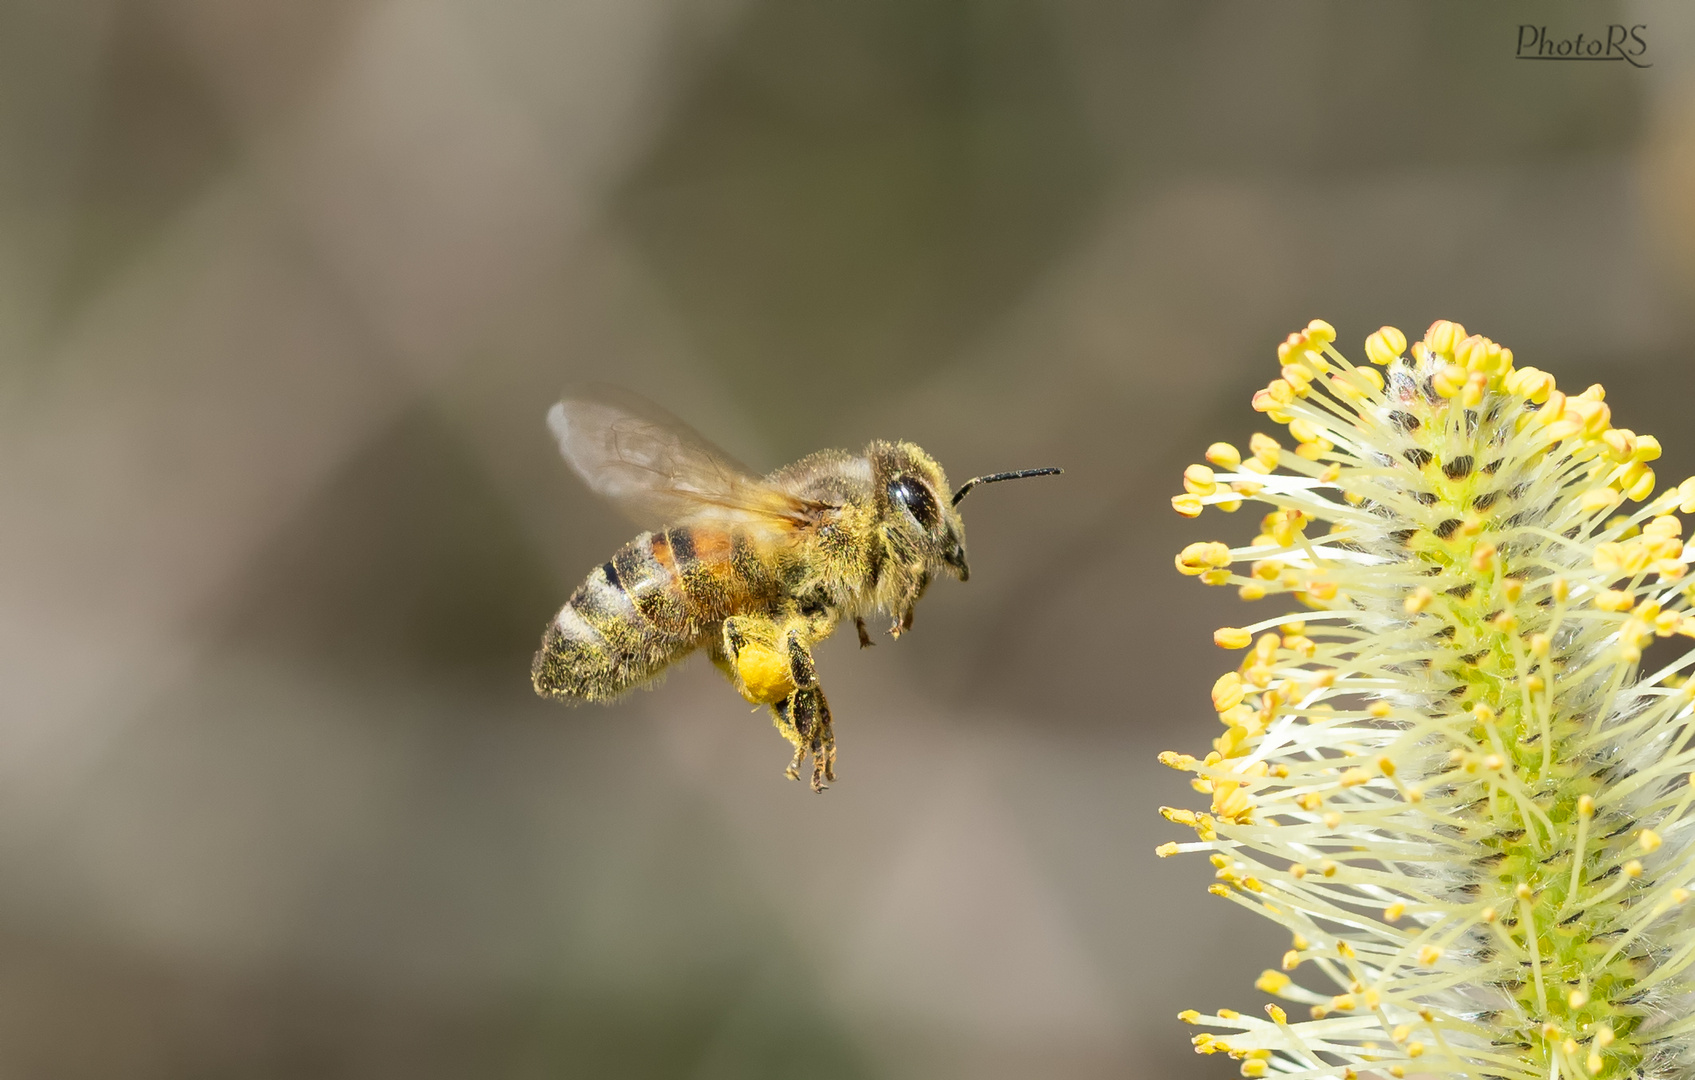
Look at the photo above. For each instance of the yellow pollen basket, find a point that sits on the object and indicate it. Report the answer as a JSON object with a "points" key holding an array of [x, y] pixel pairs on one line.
{"points": [[765, 674]]}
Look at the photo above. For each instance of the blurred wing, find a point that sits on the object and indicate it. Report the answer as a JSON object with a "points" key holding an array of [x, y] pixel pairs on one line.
{"points": [[659, 469]]}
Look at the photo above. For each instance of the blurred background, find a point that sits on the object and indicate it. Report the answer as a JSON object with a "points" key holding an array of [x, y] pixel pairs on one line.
{"points": [[286, 289]]}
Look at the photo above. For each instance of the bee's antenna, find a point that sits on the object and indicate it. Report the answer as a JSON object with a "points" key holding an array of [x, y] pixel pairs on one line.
{"points": [[995, 478]]}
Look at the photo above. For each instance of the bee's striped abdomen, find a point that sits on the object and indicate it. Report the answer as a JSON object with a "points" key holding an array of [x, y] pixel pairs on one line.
{"points": [[647, 606]]}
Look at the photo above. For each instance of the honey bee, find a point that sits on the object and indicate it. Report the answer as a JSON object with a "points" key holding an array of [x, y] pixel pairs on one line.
{"points": [[754, 570]]}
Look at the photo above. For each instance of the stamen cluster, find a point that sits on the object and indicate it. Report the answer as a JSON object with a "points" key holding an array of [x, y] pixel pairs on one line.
{"points": [[1447, 778]]}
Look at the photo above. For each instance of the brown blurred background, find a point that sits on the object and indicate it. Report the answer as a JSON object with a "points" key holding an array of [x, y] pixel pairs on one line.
{"points": [[286, 288]]}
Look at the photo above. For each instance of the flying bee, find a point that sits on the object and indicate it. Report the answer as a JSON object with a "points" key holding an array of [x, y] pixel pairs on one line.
{"points": [[754, 570]]}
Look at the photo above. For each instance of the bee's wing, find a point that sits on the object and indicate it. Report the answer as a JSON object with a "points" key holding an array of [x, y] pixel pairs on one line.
{"points": [[659, 469]]}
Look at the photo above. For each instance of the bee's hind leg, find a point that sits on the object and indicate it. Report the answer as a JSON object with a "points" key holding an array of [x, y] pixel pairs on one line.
{"points": [[810, 714], [783, 713], [810, 729]]}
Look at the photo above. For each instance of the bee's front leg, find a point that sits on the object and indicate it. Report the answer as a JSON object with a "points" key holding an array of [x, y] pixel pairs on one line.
{"points": [[865, 641], [907, 604]]}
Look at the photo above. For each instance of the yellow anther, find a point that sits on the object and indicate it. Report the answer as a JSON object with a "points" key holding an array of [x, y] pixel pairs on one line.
{"points": [[1540, 644], [1227, 692], [1394, 911], [1380, 709], [1428, 955], [1633, 869], [1320, 332], [1561, 590], [1198, 480], [1167, 849], [1415, 1049], [1649, 840], [1523, 891], [1328, 869], [1188, 505], [1355, 777], [1223, 455], [1449, 380], [1291, 960], [1297, 871], [1443, 336], [1578, 998], [1594, 1062], [1254, 1067], [1494, 763], [1272, 982], [1385, 766], [1305, 430], [1505, 622], [1344, 1003], [1278, 1016], [1200, 557], [1604, 1037], [1596, 500], [1475, 387], [1265, 449], [1642, 488], [1488, 915], [1385, 345], [1189, 1016], [1512, 589], [1586, 805], [1614, 600], [1483, 557], [1419, 600]]}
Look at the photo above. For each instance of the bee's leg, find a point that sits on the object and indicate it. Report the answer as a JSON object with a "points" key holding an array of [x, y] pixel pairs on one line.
{"points": [[811, 713], [865, 641], [783, 713], [823, 744], [907, 604]]}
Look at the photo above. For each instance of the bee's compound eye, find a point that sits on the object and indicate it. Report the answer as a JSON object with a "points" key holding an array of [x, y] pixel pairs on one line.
{"points": [[911, 494]]}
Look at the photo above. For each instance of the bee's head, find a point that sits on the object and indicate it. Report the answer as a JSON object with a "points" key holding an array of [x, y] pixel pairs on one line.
{"points": [[911, 495], [912, 499]]}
